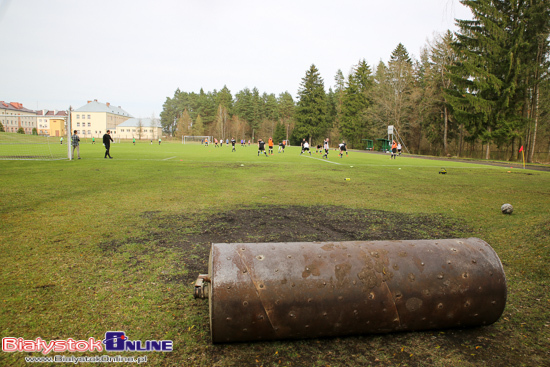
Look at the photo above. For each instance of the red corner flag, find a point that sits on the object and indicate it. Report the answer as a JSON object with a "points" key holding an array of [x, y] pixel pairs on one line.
{"points": [[521, 149]]}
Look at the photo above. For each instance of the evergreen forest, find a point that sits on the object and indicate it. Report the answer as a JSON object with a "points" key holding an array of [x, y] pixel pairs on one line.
{"points": [[480, 92]]}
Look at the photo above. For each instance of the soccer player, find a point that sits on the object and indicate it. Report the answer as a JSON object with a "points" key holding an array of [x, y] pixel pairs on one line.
{"points": [[393, 150], [107, 143], [326, 148], [318, 149], [270, 145], [281, 147], [261, 147], [75, 142], [134, 140], [305, 147], [215, 143], [398, 148], [233, 142], [343, 149]]}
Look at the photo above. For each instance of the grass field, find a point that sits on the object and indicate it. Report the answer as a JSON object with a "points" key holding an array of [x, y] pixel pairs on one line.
{"points": [[93, 245]]}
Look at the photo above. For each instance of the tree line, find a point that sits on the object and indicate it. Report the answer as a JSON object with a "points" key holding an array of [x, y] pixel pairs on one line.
{"points": [[482, 91]]}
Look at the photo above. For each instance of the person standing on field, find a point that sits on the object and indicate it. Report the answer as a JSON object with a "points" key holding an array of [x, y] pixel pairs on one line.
{"points": [[233, 142], [61, 141], [107, 142], [398, 148], [326, 148], [261, 147], [270, 145], [75, 142], [305, 147], [393, 150], [93, 140]]}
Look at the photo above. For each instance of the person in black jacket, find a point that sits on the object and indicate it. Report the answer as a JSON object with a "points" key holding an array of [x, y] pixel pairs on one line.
{"points": [[107, 142], [261, 147]]}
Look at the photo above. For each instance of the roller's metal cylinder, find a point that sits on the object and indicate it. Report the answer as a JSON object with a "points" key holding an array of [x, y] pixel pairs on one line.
{"points": [[266, 291]]}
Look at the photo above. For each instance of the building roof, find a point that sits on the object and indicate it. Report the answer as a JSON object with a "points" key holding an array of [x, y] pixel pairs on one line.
{"points": [[53, 113], [15, 106], [143, 122], [95, 106]]}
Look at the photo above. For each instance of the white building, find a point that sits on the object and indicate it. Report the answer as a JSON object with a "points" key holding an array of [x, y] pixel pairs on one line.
{"points": [[139, 129], [95, 118]]}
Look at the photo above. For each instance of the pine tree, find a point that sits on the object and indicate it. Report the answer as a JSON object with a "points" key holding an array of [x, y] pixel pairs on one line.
{"points": [[381, 96], [401, 81], [280, 133], [311, 121], [198, 127], [184, 125], [489, 75], [435, 81], [355, 102], [286, 108], [224, 98]]}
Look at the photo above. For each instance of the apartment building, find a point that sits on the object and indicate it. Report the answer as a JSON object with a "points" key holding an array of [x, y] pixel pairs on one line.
{"points": [[13, 116], [95, 118], [140, 129], [51, 123]]}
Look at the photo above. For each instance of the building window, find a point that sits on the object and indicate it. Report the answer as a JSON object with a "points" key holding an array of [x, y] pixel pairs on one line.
{"points": [[89, 124], [77, 116], [78, 124], [89, 117]]}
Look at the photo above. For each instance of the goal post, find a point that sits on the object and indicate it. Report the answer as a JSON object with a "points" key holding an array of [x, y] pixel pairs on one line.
{"points": [[196, 139], [16, 146]]}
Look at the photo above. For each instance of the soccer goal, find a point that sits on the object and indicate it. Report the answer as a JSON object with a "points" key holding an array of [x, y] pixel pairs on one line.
{"points": [[195, 139], [15, 146]]}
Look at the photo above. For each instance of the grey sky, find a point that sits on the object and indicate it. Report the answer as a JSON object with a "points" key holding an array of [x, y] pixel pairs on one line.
{"points": [[135, 53]]}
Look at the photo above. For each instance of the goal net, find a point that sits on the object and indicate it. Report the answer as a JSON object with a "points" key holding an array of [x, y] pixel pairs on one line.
{"points": [[15, 146], [196, 139]]}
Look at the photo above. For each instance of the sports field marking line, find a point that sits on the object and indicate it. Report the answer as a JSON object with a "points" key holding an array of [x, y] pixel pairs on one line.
{"points": [[322, 160], [165, 159]]}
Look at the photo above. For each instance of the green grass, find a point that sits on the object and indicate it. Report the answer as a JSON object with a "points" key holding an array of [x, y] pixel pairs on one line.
{"points": [[81, 252]]}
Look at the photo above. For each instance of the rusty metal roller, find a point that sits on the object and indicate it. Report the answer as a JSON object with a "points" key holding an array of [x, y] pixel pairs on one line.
{"points": [[266, 291]]}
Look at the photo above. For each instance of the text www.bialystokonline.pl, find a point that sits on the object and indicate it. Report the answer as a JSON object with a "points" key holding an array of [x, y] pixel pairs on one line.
{"points": [[96, 359]]}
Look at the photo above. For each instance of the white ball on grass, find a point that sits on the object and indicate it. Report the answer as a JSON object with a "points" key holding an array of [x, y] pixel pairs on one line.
{"points": [[507, 208]]}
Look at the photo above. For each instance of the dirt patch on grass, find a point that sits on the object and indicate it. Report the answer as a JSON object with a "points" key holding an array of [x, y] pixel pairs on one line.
{"points": [[187, 238], [193, 235]]}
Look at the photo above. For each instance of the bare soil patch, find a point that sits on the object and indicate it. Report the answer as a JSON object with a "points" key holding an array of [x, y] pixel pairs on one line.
{"points": [[193, 235], [189, 237]]}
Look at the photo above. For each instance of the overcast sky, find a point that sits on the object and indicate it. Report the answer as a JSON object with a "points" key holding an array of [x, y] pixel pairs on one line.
{"points": [[135, 53]]}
